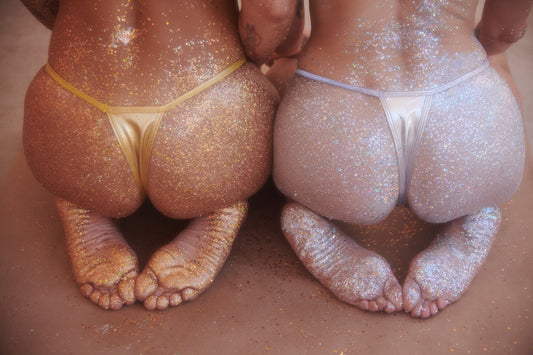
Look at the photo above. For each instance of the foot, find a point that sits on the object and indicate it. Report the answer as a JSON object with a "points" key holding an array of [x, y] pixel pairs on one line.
{"points": [[441, 274], [352, 273], [104, 265], [183, 269]]}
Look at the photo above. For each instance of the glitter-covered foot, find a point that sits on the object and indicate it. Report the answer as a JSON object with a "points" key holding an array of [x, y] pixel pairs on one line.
{"points": [[441, 274], [185, 267], [103, 264], [352, 273]]}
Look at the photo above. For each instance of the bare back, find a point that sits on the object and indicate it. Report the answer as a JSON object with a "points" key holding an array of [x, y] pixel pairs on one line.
{"points": [[392, 45], [142, 52]]}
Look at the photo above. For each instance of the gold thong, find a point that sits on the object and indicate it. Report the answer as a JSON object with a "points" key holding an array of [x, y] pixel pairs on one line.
{"points": [[136, 126]]}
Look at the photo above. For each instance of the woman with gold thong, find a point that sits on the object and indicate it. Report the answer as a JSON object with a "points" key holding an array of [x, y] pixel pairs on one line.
{"points": [[395, 102], [148, 100]]}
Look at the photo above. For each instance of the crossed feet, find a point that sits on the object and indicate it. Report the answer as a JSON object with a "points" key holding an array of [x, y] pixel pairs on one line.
{"points": [[437, 276], [105, 267]]}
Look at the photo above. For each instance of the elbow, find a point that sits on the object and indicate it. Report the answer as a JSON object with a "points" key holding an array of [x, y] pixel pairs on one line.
{"points": [[495, 43], [512, 35]]}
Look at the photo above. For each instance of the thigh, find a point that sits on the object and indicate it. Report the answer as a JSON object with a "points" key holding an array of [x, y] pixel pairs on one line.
{"points": [[71, 149], [334, 153], [472, 151], [215, 148]]}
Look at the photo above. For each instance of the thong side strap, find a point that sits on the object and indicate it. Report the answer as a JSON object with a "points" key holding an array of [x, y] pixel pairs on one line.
{"points": [[378, 93]]}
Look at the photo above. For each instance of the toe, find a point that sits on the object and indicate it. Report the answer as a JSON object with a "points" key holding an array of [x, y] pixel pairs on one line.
{"points": [[442, 303], [95, 296], [426, 309], [150, 303], [115, 302], [411, 295], [162, 302], [189, 294], [103, 301], [373, 306], [381, 303], [288, 214], [86, 290], [390, 308], [434, 309], [145, 285], [126, 290], [393, 293], [416, 311], [363, 304], [175, 299]]}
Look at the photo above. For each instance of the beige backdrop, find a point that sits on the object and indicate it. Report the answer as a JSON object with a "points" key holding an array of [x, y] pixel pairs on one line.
{"points": [[263, 301]]}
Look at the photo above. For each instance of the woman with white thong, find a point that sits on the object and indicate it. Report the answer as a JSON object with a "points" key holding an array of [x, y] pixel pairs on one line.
{"points": [[395, 102]]}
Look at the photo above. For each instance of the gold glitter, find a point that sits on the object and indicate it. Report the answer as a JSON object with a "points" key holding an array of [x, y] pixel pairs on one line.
{"points": [[209, 152], [183, 269], [103, 264]]}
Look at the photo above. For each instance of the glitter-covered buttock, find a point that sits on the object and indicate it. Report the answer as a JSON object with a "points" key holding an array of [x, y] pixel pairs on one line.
{"points": [[407, 114], [136, 126]]}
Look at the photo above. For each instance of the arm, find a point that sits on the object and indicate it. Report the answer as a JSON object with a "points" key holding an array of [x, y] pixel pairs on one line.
{"points": [[502, 24], [43, 10], [295, 38], [270, 25]]}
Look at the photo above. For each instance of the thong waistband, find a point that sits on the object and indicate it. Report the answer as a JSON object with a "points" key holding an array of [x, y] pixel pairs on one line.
{"points": [[379, 93], [140, 109]]}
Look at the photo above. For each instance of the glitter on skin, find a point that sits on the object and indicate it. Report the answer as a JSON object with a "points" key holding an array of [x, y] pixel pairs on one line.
{"points": [[103, 264], [188, 265], [340, 263], [210, 152], [462, 246], [471, 153]]}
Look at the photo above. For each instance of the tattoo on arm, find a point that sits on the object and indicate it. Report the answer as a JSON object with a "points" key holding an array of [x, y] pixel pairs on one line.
{"points": [[251, 39]]}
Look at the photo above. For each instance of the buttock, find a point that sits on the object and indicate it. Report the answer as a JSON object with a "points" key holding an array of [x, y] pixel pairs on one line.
{"points": [[472, 150], [334, 153], [215, 148], [465, 153], [72, 150], [76, 150]]}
